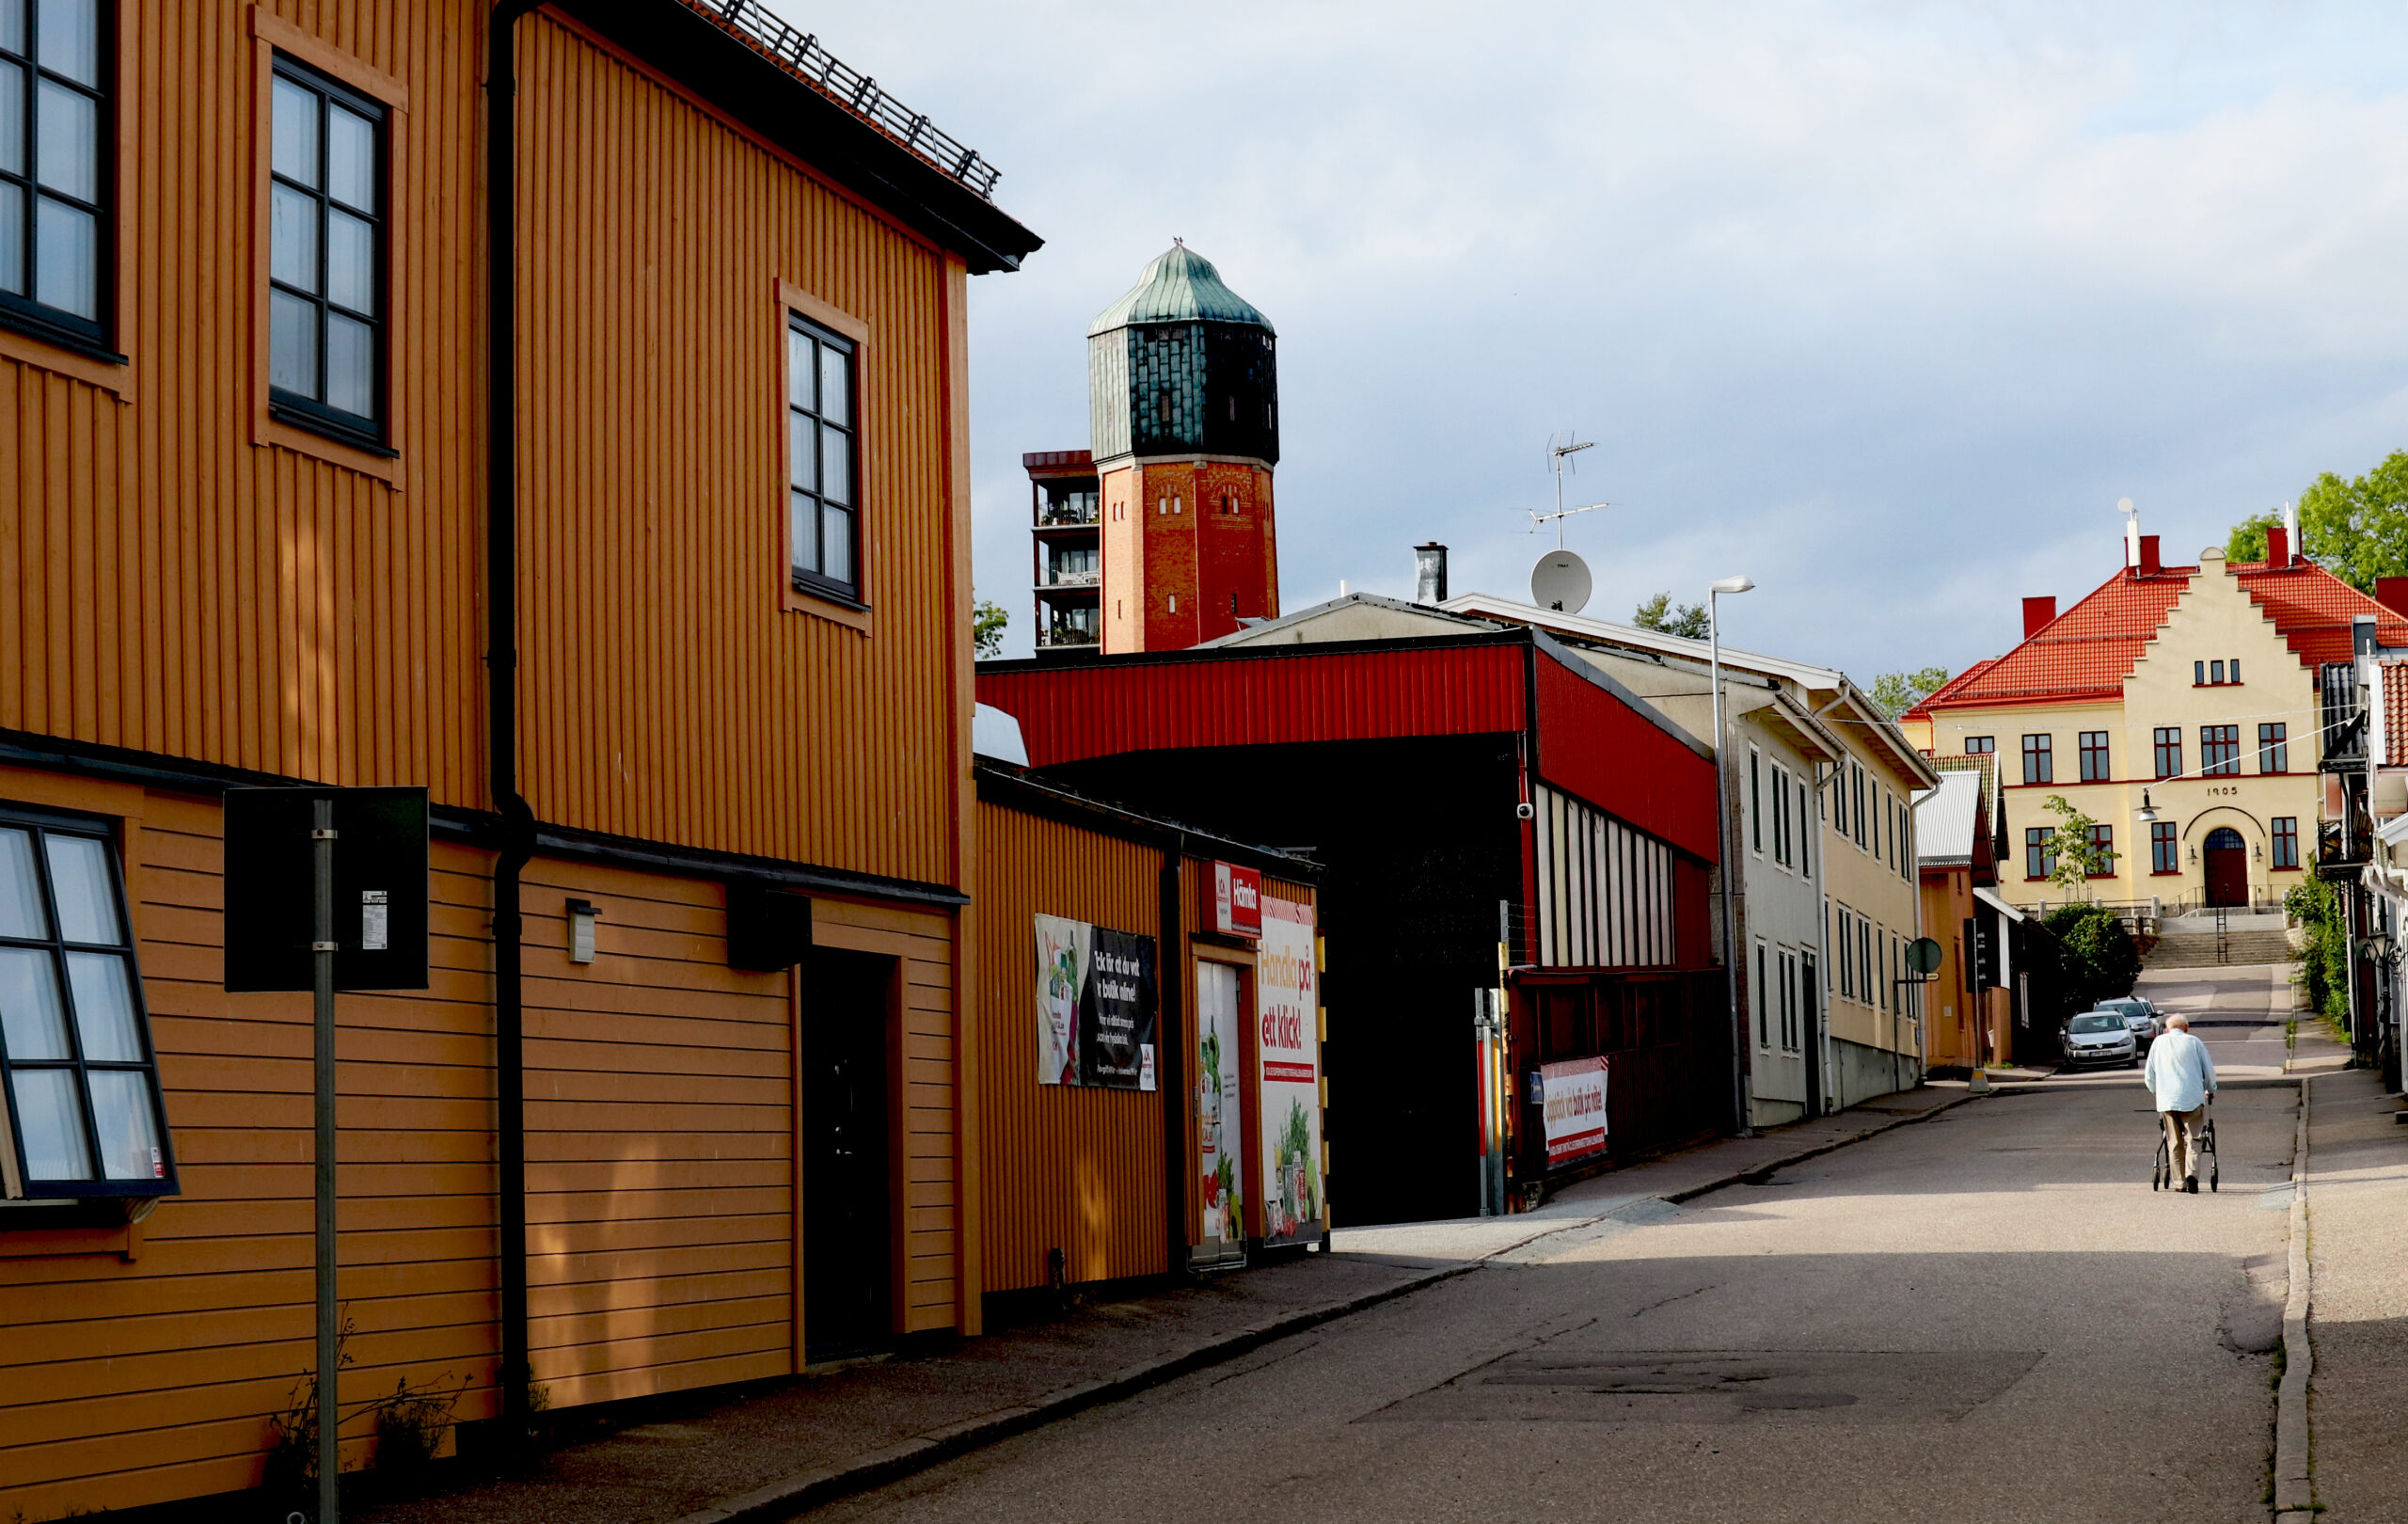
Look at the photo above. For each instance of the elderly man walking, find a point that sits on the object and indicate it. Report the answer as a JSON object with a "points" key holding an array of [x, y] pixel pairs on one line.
{"points": [[2181, 1077]]}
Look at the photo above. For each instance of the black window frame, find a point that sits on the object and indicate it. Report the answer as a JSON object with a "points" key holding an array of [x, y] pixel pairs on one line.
{"points": [[2286, 840], [2092, 747], [369, 432], [2164, 847], [2103, 839], [2275, 748], [2219, 751], [2039, 757], [852, 593], [39, 824], [1981, 746], [90, 336], [2166, 744]]}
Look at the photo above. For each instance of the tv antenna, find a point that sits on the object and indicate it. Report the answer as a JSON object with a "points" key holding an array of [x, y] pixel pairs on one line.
{"points": [[1556, 454]]}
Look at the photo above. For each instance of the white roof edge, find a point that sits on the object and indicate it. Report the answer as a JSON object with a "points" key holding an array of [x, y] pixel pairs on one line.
{"points": [[1991, 899]]}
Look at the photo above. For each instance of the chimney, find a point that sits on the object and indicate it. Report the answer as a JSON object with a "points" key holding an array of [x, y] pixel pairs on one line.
{"points": [[2278, 546], [2297, 541], [2150, 563], [2392, 592], [1429, 573], [2131, 538], [2037, 613], [2362, 635]]}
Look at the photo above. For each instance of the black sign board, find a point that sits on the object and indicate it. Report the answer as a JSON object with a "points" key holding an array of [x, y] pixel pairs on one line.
{"points": [[380, 888]]}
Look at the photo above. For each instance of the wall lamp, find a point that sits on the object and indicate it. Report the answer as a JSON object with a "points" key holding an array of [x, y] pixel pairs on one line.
{"points": [[581, 916]]}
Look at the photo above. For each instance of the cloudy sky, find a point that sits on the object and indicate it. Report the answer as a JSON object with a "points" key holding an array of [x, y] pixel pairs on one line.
{"points": [[1884, 305]]}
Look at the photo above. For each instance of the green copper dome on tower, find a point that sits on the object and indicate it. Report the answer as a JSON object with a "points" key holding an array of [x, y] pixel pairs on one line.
{"points": [[1182, 366], [1180, 286]]}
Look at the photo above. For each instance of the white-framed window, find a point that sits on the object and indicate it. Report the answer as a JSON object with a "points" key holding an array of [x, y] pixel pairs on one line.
{"points": [[1755, 802], [1789, 996], [1763, 994], [1780, 815], [823, 461]]}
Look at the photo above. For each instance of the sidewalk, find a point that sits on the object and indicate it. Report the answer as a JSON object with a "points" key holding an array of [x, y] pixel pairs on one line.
{"points": [[2357, 1211], [796, 1444]]}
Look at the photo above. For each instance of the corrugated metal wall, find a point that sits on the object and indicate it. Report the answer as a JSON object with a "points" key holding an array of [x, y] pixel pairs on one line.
{"points": [[1593, 744], [1061, 1166]]}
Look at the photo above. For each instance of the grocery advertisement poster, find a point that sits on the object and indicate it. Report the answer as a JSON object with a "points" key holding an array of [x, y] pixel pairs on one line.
{"points": [[1220, 1107], [1289, 994], [1096, 1004], [1575, 1095]]}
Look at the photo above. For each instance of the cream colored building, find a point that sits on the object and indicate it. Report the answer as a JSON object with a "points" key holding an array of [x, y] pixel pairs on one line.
{"points": [[2192, 689]]}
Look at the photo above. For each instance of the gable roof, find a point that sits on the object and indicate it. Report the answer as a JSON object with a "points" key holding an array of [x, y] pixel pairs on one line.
{"points": [[2090, 649]]}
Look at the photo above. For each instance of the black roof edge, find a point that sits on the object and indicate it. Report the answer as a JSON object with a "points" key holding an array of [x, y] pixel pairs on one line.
{"points": [[1000, 783], [706, 58], [1268, 651]]}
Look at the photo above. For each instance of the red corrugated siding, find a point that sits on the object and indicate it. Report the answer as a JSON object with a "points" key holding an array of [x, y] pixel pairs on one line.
{"points": [[1593, 744], [1103, 707]]}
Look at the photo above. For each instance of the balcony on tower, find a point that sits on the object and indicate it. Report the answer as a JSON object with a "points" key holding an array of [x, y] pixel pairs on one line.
{"points": [[1067, 549]]}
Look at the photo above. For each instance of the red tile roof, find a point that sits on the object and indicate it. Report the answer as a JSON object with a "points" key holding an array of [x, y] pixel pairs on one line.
{"points": [[2090, 650]]}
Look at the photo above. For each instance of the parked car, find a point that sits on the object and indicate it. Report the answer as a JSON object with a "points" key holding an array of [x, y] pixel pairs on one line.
{"points": [[2140, 1014], [2099, 1037]]}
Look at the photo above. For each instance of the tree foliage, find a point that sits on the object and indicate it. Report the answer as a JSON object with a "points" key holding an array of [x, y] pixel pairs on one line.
{"points": [[1898, 692], [2078, 857], [1660, 614], [2097, 959], [987, 621], [2313, 905], [2356, 528]]}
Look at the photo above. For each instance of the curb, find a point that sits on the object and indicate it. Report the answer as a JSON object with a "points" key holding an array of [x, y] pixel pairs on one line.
{"points": [[2292, 1491], [790, 1495]]}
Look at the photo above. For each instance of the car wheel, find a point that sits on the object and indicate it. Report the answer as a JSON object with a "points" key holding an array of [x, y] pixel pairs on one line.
{"points": [[2133, 1062]]}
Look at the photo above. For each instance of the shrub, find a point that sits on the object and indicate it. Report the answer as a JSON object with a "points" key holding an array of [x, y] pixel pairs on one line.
{"points": [[2100, 961]]}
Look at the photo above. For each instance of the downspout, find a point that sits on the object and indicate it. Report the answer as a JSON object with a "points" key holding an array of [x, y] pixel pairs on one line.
{"points": [[516, 1373], [1171, 1051]]}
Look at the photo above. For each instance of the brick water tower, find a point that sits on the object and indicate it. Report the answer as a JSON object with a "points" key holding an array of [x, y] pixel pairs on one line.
{"points": [[1184, 417]]}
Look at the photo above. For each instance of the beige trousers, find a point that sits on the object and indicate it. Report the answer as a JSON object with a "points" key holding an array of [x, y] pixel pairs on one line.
{"points": [[2182, 1139]]}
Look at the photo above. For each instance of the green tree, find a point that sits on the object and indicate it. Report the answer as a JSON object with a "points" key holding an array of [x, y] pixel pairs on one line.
{"points": [[2078, 857], [987, 621], [2357, 529], [2097, 958], [1662, 615], [2318, 910], [1898, 692]]}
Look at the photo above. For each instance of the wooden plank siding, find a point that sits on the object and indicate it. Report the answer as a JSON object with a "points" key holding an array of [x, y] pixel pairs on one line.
{"points": [[1062, 1166]]}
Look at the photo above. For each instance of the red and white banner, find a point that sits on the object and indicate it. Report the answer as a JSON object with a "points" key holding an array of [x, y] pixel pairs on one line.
{"points": [[1237, 900], [1288, 990], [1575, 1095]]}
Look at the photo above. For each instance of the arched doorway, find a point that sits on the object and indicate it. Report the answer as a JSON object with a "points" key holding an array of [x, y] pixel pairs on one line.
{"points": [[2227, 863]]}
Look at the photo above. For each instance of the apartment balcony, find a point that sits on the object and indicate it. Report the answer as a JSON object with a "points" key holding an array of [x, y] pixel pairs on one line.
{"points": [[1071, 580], [1065, 635]]}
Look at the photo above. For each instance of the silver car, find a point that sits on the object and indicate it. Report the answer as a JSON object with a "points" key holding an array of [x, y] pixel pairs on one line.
{"points": [[2140, 1014], [2100, 1037]]}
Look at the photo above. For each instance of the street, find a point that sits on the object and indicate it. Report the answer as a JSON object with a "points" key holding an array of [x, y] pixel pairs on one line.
{"points": [[1987, 1315]]}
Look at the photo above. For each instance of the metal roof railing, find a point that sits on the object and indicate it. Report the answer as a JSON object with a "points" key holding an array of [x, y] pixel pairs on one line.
{"points": [[801, 55]]}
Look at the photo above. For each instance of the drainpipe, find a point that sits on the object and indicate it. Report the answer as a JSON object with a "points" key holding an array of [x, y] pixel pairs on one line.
{"points": [[1170, 1053], [517, 1373]]}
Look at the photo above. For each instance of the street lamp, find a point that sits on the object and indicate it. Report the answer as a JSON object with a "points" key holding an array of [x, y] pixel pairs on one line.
{"points": [[2147, 815], [1722, 837]]}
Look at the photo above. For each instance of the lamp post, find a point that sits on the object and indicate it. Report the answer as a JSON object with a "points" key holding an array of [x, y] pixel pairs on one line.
{"points": [[1722, 840]]}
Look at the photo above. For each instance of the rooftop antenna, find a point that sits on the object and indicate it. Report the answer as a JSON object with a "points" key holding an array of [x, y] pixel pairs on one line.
{"points": [[1555, 453]]}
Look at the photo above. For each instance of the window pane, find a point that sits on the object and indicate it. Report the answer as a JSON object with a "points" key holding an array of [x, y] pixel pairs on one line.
{"points": [[835, 385], [12, 25], [12, 239], [69, 136], [293, 238], [12, 116], [122, 1118], [351, 262], [67, 252], [292, 344], [802, 525], [835, 464], [351, 158], [20, 908], [80, 887], [802, 462], [53, 1124], [801, 390], [104, 1008], [835, 544], [351, 365], [71, 38], [296, 134], [32, 1022]]}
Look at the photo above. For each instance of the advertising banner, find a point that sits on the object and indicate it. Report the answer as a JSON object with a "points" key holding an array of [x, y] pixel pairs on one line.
{"points": [[1289, 992], [1237, 900], [1220, 1107], [1096, 1001], [1575, 1095]]}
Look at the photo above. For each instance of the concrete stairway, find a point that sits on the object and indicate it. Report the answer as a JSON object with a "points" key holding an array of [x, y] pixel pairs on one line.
{"points": [[2197, 949]]}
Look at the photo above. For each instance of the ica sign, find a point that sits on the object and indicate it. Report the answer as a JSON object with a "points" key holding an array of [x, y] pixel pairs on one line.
{"points": [[1237, 900]]}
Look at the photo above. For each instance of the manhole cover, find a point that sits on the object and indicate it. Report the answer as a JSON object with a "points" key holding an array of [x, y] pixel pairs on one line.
{"points": [[1568, 1385]]}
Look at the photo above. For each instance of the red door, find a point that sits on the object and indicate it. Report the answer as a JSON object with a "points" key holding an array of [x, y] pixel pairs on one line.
{"points": [[2227, 863]]}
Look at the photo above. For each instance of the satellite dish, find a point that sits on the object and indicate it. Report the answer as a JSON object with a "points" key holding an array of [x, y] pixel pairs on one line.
{"points": [[1561, 581]]}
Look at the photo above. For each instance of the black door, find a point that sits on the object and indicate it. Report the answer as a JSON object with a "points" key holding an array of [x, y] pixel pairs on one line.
{"points": [[847, 1183]]}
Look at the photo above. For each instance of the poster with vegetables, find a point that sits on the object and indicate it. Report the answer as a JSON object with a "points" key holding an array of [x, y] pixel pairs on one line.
{"points": [[1289, 1035], [1220, 1148], [1095, 1003]]}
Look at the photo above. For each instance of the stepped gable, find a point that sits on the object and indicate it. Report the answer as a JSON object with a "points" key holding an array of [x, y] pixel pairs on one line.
{"points": [[2312, 608]]}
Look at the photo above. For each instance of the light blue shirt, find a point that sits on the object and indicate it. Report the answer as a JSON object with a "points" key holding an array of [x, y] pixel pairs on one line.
{"points": [[2181, 1074]]}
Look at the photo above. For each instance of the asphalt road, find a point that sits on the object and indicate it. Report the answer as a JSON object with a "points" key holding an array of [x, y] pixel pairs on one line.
{"points": [[1985, 1316]]}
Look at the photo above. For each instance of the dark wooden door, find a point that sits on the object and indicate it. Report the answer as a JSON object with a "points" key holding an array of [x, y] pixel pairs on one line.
{"points": [[847, 1154], [2227, 864]]}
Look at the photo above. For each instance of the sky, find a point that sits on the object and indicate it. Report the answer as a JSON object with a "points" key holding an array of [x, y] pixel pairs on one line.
{"points": [[1883, 305]]}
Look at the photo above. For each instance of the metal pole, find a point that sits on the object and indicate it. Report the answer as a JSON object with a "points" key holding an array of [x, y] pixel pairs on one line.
{"points": [[321, 873], [1722, 843]]}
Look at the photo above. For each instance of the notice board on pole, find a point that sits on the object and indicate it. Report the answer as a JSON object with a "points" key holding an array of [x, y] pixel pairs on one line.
{"points": [[380, 888]]}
